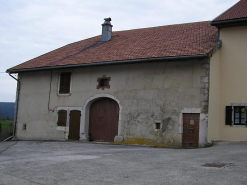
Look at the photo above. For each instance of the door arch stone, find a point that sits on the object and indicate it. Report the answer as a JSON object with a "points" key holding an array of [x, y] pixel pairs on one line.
{"points": [[84, 128], [103, 120]]}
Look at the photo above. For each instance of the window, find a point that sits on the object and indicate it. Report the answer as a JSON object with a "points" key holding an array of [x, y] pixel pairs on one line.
{"points": [[64, 85], [62, 118], [157, 125], [24, 127], [239, 115], [236, 115], [103, 82]]}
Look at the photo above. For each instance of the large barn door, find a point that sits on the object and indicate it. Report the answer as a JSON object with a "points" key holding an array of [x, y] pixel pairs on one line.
{"points": [[74, 124], [103, 120], [191, 130]]}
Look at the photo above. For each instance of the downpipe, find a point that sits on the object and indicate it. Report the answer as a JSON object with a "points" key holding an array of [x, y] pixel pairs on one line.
{"points": [[7, 139]]}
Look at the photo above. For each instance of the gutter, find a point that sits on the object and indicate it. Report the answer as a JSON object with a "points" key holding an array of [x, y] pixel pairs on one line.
{"points": [[187, 57], [16, 107], [231, 21]]}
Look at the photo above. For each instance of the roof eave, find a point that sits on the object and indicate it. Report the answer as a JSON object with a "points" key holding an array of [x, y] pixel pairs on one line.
{"points": [[187, 57], [229, 23]]}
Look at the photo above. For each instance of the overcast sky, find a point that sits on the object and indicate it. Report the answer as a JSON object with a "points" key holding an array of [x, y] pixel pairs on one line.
{"points": [[29, 28]]}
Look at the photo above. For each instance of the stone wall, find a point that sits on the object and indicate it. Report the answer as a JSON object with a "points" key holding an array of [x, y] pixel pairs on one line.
{"points": [[147, 93]]}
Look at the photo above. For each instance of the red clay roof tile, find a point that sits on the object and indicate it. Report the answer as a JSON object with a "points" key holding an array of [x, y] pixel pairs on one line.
{"points": [[237, 11], [165, 41]]}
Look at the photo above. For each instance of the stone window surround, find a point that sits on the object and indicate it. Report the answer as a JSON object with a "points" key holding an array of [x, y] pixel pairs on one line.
{"points": [[157, 122], [62, 128], [103, 78], [233, 105]]}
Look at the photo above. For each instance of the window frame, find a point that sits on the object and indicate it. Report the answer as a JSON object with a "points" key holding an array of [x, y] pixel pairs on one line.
{"points": [[239, 115], [59, 84], [231, 115]]}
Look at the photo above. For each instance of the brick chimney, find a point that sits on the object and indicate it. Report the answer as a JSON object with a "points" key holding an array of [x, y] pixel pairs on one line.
{"points": [[106, 30]]}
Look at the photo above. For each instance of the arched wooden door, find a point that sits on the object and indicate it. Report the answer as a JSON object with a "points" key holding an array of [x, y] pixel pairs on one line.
{"points": [[103, 120], [74, 124]]}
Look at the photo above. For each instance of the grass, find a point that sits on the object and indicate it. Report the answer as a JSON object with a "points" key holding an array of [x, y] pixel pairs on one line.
{"points": [[6, 128], [6, 122]]}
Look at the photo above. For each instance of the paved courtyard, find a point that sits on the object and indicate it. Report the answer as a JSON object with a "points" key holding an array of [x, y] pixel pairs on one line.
{"points": [[68, 163]]}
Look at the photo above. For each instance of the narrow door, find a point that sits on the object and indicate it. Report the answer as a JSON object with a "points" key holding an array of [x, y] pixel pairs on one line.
{"points": [[74, 124], [190, 130], [103, 120]]}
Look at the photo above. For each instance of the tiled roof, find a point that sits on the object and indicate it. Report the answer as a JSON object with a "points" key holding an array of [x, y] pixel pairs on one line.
{"points": [[165, 41], [237, 11]]}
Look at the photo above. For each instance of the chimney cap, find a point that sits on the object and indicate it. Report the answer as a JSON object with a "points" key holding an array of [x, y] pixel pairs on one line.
{"points": [[107, 21]]}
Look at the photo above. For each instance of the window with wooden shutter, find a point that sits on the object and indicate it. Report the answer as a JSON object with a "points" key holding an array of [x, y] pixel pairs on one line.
{"points": [[62, 118], [228, 115], [64, 86]]}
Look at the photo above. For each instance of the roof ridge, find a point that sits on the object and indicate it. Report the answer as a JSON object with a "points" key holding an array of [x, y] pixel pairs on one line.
{"points": [[161, 26]]}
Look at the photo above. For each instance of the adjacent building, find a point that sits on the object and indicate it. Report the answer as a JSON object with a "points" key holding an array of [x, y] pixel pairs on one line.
{"points": [[228, 89]]}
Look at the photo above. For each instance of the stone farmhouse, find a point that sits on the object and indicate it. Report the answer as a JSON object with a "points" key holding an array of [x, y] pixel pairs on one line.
{"points": [[174, 86]]}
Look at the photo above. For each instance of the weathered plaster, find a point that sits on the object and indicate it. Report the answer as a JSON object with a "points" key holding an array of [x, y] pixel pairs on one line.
{"points": [[145, 92]]}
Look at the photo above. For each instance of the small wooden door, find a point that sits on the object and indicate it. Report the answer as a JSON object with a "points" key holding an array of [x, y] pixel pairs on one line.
{"points": [[103, 120], [190, 130], [74, 124]]}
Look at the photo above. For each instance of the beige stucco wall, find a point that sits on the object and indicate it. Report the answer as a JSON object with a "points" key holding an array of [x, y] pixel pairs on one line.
{"points": [[228, 71], [146, 92], [214, 98]]}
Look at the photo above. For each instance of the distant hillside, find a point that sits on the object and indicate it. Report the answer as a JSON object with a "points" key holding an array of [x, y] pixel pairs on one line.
{"points": [[7, 109]]}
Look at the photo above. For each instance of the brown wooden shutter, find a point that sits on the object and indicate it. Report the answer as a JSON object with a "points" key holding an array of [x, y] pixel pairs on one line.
{"points": [[65, 83], [228, 115], [74, 125], [62, 118]]}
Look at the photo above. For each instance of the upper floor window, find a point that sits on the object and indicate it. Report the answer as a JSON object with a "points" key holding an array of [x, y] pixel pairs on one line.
{"points": [[65, 81]]}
